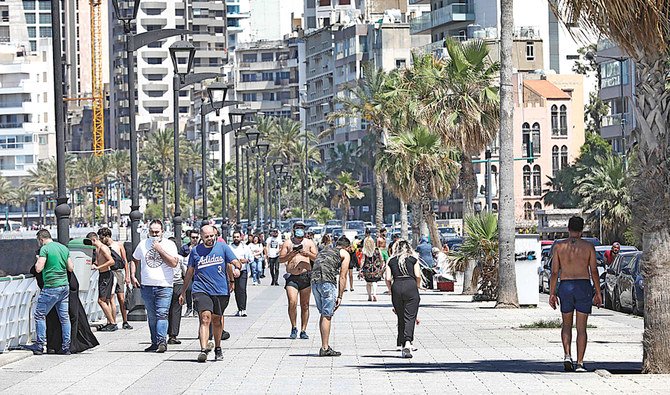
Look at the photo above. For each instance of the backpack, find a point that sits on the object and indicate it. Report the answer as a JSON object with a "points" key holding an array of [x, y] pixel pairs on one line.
{"points": [[373, 267], [118, 261]]}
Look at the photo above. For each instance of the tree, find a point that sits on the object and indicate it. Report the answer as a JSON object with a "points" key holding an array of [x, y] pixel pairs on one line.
{"points": [[367, 100], [640, 28], [507, 292], [324, 214], [90, 170], [346, 188], [118, 163], [562, 189], [605, 187], [343, 157], [158, 155], [418, 166], [480, 243], [22, 195], [6, 191]]}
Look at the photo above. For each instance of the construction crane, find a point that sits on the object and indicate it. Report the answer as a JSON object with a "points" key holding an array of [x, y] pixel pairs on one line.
{"points": [[97, 88]]}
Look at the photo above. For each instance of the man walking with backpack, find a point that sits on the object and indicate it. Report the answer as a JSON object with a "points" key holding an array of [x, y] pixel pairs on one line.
{"points": [[330, 264]]}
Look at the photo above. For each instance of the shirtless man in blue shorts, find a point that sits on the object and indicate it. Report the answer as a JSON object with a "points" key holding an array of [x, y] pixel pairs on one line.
{"points": [[575, 260]]}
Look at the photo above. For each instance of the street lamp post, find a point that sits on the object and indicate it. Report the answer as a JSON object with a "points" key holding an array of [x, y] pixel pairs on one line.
{"points": [[278, 167], [239, 116], [182, 78], [262, 150], [62, 209], [252, 136]]}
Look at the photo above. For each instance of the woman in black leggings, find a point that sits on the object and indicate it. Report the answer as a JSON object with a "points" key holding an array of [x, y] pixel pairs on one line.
{"points": [[403, 279]]}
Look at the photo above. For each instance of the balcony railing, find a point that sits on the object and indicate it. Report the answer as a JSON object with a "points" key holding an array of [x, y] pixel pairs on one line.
{"points": [[613, 120], [453, 12]]}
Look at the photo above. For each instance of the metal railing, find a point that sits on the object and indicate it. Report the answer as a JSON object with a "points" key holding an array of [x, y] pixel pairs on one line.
{"points": [[441, 16]]}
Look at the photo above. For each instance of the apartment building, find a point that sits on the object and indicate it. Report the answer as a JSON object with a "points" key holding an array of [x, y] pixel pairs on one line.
{"points": [[27, 131], [285, 15]]}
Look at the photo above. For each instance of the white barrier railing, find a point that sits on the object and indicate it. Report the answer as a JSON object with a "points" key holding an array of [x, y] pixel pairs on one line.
{"points": [[18, 296]]}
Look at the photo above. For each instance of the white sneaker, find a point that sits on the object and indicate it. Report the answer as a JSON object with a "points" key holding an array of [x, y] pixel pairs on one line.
{"points": [[210, 345]]}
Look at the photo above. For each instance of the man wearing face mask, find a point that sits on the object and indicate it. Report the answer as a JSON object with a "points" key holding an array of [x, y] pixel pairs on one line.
{"points": [[240, 272], [158, 258], [298, 252], [272, 246]]}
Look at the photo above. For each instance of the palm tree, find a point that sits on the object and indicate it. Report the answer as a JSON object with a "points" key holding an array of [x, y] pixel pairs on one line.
{"points": [[343, 158], [605, 188], [366, 100], [118, 163], [418, 166], [6, 191], [480, 243], [22, 196], [158, 156], [91, 173], [346, 188], [640, 28]]}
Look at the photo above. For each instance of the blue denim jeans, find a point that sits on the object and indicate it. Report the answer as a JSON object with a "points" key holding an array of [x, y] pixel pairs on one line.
{"points": [[157, 302], [49, 298], [256, 268]]}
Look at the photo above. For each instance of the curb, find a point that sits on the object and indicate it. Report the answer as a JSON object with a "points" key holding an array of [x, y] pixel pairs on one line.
{"points": [[7, 358]]}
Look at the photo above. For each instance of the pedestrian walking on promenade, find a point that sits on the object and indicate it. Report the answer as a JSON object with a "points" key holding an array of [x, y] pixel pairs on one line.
{"points": [[373, 267], [330, 265], [158, 257], [425, 250], [53, 263], [403, 279], [272, 247], [297, 253], [241, 272], [575, 260], [120, 272], [103, 264], [258, 252], [210, 266], [174, 313]]}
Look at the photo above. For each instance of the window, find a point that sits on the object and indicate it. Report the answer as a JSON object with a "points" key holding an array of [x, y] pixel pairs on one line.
{"points": [[554, 120], [248, 77], [610, 73], [267, 76], [183, 110], [564, 156], [494, 207], [233, 22], [527, 211], [32, 32], [535, 138], [233, 9], [249, 96], [526, 180], [494, 175], [284, 75], [30, 18], [345, 2], [45, 5], [537, 180], [554, 161], [28, 4], [155, 110], [400, 63], [154, 60], [249, 58], [45, 19], [530, 50], [563, 120], [525, 139], [267, 57], [155, 77], [45, 31], [536, 206], [324, 2], [268, 96]]}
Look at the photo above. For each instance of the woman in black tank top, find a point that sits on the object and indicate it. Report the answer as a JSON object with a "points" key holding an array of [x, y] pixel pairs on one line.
{"points": [[403, 279]]}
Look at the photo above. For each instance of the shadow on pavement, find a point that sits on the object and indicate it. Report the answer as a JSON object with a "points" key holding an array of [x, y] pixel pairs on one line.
{"points": [[507, 366], [273, 337]]}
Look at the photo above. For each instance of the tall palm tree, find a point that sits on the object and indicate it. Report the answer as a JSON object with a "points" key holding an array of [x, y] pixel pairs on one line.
{"points": [[118, 163], [6, 191], [91, 172], [158, 156], [346, 188], [367, 100], [343, 158], [418, 166], [641, 29], [22, 196], [605, 188]]}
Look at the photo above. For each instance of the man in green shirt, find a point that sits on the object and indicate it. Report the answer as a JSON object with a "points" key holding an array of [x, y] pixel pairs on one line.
{"points": [[54, 262]]}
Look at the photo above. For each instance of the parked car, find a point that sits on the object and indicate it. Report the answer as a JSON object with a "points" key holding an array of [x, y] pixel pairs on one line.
{"points": [[318, 233], [624, 285], [447, 233], [455, 243], [544, 272], [334, 222], [356, 225], [600, 260], [310, 222], [336, 232]]}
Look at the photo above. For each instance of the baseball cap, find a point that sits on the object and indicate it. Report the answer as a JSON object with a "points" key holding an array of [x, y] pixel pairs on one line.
{"points": [[299, 224]]}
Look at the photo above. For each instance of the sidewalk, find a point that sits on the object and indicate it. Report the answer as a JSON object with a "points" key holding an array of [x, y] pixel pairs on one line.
{"points": [[464, 347]]}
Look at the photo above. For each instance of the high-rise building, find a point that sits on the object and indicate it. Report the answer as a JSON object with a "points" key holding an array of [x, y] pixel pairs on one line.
{"points": [[274, 19]]}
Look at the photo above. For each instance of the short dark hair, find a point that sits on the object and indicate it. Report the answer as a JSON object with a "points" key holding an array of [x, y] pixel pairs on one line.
{"points": [[238, 232], [576, 224], [190, 232], [157, 221], [104, 232], [43, 234], [343, 242], [92, 236]]}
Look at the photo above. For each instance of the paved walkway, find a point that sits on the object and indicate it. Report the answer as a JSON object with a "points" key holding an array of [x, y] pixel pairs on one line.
{"points": [[464, 347]]}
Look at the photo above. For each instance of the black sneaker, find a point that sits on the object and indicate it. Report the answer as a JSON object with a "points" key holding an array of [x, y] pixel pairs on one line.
{"points": [[126, 325], [108, 328], [35, 348], [161, 348], [406, 353], [65, 352], [568, 366], [303, 335], [151, 348], [218, 354], [225, 335], [202, 357], [329, 352], [173, 340]]}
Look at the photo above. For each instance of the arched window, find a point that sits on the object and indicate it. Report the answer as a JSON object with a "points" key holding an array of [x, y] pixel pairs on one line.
{"points": [[554, 160], [554, 120], [525, 138], [526, 180], [564, 120], [494, 174], [494, 207], [564, 156], [527, 211], [537, 180], [537, 206], [536, 138]]}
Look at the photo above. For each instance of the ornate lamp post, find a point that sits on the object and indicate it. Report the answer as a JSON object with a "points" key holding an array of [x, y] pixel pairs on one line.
{"points": [[261, 151]]}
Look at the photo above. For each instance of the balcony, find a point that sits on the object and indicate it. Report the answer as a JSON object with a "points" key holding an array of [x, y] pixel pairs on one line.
{"points": [[457, 12], [613, 120], [255, 85]]}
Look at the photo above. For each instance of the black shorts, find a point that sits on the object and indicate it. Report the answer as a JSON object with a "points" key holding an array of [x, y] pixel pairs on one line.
{"points": [[299, 282], [105, 285], [216, 304]]}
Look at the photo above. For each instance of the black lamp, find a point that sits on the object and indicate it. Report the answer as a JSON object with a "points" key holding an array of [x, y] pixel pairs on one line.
{"points": [[128, 13], [278, 167], [217, 92], [252, 137], [182, 50]]}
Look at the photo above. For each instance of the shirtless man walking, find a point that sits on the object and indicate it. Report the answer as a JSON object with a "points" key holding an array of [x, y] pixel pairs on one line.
{"points": [[575, 260], [297, 253]]}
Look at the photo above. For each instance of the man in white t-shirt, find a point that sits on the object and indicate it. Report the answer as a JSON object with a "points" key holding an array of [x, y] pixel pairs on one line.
{"points": [[158, 258], [240, 272], [272, 244]]}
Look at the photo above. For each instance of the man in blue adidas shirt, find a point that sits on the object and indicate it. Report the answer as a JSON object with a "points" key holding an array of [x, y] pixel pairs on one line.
{"points": [[209, 265]]}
